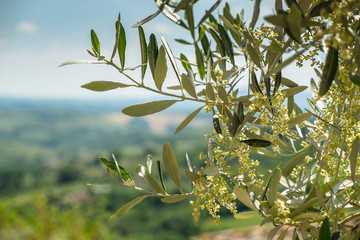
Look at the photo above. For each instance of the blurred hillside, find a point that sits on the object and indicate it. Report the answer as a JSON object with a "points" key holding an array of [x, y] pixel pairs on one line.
{"points": [[49, 154]]}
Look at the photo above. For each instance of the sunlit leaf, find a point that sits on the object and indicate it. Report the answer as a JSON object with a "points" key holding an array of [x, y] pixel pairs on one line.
{"points": [[122, 45], [95, 42], [293, 91], [193, 176], [81, 62], [187, 120], [171, 57], [329, 71], [160, 68], [210, 92], [145, 20], [182, 41], [101, 86], [175, 198], [243, 197], [128, 206], [223, 95], [211, 170], [274, 185], [208, 12], [147, 108], [144, 51], [149, 179], [152, 53], [188, 85], [181, 5], [300, 118], [292, 163], [171, 164]]}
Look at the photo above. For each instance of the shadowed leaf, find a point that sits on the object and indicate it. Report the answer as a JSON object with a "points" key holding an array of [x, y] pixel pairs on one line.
{"points": [[160, 68], [187, 120], [171, 164], [128, 206], [329, 71]]}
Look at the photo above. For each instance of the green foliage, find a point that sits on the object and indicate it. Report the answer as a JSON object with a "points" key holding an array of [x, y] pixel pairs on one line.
{"points": [[320, 174]]}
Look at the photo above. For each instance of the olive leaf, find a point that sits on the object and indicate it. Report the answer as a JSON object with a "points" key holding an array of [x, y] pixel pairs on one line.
{"points": [[329, 71], [152, 53], [95, 42], [324, 232], [256, 142], [139, 110], [144, 51], [354, 157], [275, 180], [160, 68], [129, 205], [171, 164], [187, 120], [210, 92], [101, 86], [244, 198], [122, 45], [175, 198], [171, 57], [188, 85], [227, 43]]}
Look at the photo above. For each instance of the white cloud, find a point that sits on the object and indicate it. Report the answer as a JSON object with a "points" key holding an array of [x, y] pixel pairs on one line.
{"points": [[27, 27]]}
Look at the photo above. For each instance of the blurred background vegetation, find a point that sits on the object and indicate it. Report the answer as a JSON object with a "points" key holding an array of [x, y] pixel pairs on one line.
{"points": [[49, 154]]}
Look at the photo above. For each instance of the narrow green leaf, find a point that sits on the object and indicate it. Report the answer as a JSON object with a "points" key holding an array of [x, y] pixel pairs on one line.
{"points": [[190, 18], [240, 112], [292, 163], [273, 232], [324, 232], [320, 196], [208, 12], [303, 207], [144, 51], [160, 68], [256, 142], [255, 16], [188, 85], [219, 42], [200, 61], [145, 20], [171, 57], [243, 197], [181, 5], [254, 55], [160, 175], [193, 176], [187, 120], [274, 185], [113, 167], [149, 179], [229, 50], [288, 83], [293, 22], [117, 35], [354, 157], [300, 118], [122, 46], [185, 62], [293, 91], [140, 110], [171, 164], [152, 53], [95, 42], [81, 62], [329, 71], [277, 82], [175, 198], [254, 82], [128, 206], [101, 86], [283, 64], [223, 95], [210, 92], [182, 41]]}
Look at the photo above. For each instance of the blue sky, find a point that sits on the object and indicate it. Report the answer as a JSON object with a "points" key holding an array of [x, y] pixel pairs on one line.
{"points": [[37, 35]]}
